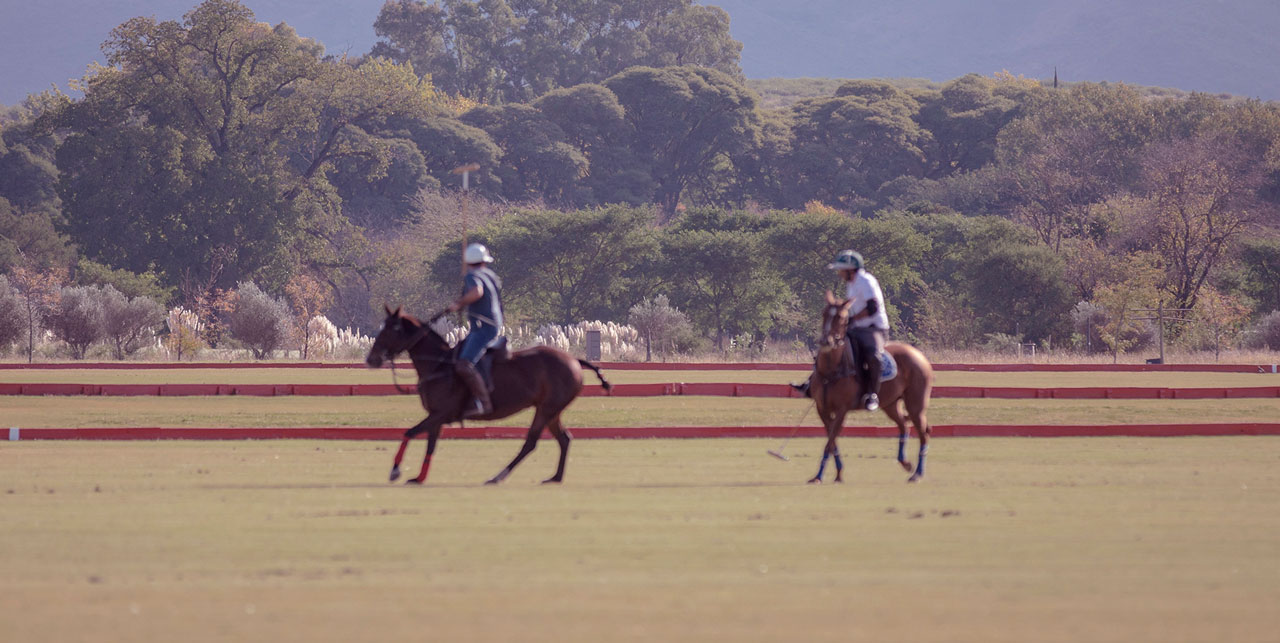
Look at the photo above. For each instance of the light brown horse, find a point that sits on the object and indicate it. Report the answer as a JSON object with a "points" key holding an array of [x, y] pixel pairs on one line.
{"points": [[542, 377], [836, 390]]}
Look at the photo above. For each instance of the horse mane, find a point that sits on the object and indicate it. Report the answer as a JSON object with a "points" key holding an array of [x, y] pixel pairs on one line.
{"points": [[429, 330]]}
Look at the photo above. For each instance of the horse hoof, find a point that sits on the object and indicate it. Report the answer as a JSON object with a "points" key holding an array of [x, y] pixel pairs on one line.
{"points": [[395, 475], [552, 481], [492, 481], [413, 481], [914, 478], [815, 480], [906, 466]]}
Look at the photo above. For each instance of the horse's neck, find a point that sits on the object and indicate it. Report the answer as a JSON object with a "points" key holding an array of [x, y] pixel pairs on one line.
{"points": [[427, 357], [830, 359]]}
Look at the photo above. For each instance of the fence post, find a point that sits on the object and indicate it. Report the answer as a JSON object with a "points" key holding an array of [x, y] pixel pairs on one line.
{"points": [[593, 345]]}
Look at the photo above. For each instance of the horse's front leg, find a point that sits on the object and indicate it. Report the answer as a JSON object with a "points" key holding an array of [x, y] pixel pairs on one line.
{"points": [[833, 425], [431, 425]]}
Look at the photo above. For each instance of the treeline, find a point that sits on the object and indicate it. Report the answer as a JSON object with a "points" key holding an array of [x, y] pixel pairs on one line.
{"points": [[622, 157]]}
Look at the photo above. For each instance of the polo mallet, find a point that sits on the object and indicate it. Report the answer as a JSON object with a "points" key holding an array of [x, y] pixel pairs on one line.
{"points": [[778, 454]]}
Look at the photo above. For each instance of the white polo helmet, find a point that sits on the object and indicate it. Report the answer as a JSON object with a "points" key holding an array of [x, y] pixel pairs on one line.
{"points": [[477, 253]]}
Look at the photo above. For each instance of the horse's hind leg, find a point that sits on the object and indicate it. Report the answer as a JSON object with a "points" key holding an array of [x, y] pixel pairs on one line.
{"points": [[562, 437], [894, 411], [540, 420], [922, 429]]}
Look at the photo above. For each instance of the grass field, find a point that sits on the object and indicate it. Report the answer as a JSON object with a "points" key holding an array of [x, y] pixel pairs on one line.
{"points": [[405, 411], [1099, 539], [52, 411]]}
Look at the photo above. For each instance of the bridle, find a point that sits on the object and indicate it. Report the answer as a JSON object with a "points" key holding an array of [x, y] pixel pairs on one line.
{"points": [[828, 325], [412, 341]]}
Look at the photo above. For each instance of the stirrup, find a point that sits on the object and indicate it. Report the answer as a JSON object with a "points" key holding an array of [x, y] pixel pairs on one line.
{"points": [[476, 409]]}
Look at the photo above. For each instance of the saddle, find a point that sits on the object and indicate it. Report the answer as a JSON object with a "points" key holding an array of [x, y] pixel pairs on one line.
{"points": [[888, 366], [498, 352]]}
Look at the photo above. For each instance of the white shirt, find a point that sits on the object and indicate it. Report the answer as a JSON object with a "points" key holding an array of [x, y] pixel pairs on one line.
{"points": [[862, 289]]}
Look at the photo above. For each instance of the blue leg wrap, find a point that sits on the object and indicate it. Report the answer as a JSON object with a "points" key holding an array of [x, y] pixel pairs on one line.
{"points": [[823, 467], [839, 462], [924, 450], [902, 448]]}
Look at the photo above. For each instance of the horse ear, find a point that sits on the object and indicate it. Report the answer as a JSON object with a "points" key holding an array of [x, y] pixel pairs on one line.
{"points": [[831, 299], [387, 308], [399, 311]]}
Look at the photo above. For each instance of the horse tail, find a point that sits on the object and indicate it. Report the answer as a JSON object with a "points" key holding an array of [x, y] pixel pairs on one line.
{"points": [[603, 382]]}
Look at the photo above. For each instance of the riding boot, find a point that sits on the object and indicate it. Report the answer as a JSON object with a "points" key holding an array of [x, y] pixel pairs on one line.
{"points": [[803, 387], [871, 384], [479, 392]]}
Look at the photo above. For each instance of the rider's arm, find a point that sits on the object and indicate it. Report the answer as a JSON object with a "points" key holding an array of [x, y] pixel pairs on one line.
{"points": [[469, 297], [873, 307]]}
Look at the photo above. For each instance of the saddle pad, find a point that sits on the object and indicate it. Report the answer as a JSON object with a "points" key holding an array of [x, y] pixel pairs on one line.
{"points": [[888, 367]]}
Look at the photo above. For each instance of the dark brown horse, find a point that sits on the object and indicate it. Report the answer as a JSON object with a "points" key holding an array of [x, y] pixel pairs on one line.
{"points": [[541, 377], [836, 390]]}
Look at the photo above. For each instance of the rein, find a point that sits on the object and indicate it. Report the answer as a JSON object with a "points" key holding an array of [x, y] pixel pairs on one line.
{"points": [[395, 378]]}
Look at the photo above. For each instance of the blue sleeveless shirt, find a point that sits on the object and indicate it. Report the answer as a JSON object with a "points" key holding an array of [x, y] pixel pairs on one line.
{"points": [[487, 309]]}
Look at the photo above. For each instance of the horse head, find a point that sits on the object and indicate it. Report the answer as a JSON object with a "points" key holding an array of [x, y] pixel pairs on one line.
{"points": [[835, 321], [399, 333]]}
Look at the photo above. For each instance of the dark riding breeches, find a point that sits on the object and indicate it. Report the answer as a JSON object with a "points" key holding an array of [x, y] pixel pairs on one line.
{"points": [[867, 343]]}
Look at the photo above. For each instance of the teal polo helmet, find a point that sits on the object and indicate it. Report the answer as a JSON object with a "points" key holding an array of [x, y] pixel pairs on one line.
{"points": [[847, 260]]}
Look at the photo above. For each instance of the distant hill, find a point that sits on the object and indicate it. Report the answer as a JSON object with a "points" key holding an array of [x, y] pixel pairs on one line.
{"points": [[1215, 46]]}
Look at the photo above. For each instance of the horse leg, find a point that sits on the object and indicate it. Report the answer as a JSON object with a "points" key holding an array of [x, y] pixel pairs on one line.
{"points": [[404, 443], [894, 411], [834, 424], [433, 436], [562, 438], [431, 425], [923, 431], [530, 443]]}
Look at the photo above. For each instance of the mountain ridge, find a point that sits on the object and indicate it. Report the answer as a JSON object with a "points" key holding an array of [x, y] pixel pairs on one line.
{"points": [[1214, 46]]}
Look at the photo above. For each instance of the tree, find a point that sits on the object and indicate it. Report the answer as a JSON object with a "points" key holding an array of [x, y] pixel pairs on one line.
{"points": [[723, 280], [218, 135], [656, 318], [845, 147], [128, 323], [1021, 290], [1138, 289], [185, 333], [684, 121], [1217, 320], [129, 284], [536, 161], [77, 318], [965, 118], [505, 51], [595, 124], [11, 322], [1071, 149], [801, 245], [447, 143], [566, 267], [38, 290], [259, 321], [1260, 257], [27, 236], [1200, 196], [307, 297]]}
